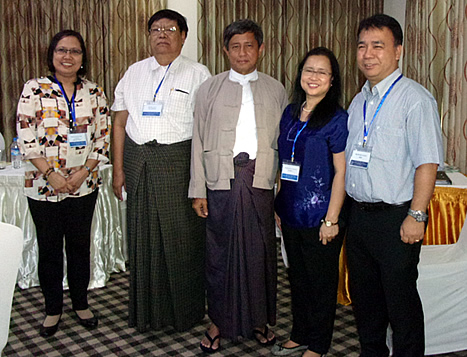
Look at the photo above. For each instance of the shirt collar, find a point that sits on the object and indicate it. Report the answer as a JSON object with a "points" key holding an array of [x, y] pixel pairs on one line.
{"points": [[380, 88], [155, 65], [243, 79], [78, 79]]}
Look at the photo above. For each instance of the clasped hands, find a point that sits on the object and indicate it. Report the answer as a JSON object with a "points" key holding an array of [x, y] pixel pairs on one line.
{"points": [[68, 184]]}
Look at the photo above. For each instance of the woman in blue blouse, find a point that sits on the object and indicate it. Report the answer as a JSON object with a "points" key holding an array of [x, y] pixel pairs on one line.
{"points": [[313, 134]]}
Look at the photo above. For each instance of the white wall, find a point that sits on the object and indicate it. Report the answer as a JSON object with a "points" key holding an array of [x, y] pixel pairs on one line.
{"points": [[396, 9], [189, 9]]}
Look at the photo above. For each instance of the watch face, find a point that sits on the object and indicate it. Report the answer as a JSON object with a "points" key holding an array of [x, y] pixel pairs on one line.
{"points": [[328, 223]]}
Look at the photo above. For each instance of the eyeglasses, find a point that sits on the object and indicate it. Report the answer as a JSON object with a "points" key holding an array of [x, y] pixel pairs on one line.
{"points": [[63, 51], [159, 30], [318, 73]]}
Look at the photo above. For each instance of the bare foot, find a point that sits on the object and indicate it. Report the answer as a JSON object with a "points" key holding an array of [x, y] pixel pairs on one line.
{"points": [[84, 314], [309, 353], [213, 331], [290, 344], [260, 336], [51, 320]]}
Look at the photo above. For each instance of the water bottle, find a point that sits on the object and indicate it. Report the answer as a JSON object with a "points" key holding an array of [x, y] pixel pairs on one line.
{"points": [[16, 157]]}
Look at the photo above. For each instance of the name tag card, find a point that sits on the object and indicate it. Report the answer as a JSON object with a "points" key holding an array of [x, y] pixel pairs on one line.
{"points": [[77, 137], [290, 171], [360, 157], [153, 109]]}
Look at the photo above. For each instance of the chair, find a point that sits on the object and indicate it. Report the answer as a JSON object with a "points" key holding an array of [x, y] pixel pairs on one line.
{"points": [[11, 247], [442, 285]]}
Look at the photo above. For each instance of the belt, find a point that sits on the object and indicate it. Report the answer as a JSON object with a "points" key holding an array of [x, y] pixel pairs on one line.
{"points": [[378, 206]]}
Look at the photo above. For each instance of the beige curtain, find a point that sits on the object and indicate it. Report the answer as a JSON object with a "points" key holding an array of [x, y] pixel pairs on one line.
{"points": [[115, 33], [291, 28], [436, 57]]}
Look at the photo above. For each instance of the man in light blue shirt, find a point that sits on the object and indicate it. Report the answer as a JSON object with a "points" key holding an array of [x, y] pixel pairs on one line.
{"points": [[393, 151]]}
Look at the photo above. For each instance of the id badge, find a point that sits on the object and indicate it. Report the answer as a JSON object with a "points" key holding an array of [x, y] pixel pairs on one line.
{"points": [[360, 157], [77, 137], [152, 108], [290, 171]]}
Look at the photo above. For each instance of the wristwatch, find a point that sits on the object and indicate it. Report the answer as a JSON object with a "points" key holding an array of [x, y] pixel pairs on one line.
{"points": [[328, 223], [419, 216]]}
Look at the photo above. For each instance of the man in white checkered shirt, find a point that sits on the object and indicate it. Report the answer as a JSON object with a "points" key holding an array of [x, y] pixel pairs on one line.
{"points": [[151, 156]]}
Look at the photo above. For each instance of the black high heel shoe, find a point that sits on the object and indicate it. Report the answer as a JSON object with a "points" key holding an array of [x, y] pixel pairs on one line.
{"points": [[49, 330], [90, 323]]}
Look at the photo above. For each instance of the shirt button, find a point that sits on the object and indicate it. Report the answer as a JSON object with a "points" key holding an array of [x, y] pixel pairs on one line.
{"points": [[353, 185], [371, 103]]}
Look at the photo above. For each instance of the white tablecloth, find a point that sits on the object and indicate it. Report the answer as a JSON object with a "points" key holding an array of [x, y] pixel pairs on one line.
{"points": [[108, 231]]}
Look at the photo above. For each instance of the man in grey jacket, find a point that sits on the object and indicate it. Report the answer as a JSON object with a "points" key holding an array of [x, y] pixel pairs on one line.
{"points": [[233, 168]]}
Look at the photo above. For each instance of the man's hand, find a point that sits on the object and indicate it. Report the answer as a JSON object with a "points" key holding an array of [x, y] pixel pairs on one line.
{"points": [[200, 205], [278, 221], [412, 231], [118, 182]]}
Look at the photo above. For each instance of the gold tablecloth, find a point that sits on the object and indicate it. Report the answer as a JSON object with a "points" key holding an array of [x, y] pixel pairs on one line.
{"points": [[447, 211]]}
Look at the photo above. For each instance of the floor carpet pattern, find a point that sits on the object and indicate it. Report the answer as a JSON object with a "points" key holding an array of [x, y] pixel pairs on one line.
{"points": [[113, 337]]}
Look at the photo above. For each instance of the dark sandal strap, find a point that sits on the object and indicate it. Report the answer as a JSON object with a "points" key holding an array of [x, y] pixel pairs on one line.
{"points": [[264, 334], [211, 340]]}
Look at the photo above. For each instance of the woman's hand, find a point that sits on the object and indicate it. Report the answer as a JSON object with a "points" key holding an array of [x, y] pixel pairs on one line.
{"points": [[58, 182], [76, 179], [327, 234]]}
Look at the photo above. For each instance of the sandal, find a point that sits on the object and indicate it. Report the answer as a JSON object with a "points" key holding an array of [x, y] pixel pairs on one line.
{"points": [[211, 341], [265, 335]]}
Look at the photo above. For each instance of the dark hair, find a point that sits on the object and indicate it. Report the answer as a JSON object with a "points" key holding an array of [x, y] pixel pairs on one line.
{"points": [[240, 27], [53, 44], [379, 21], [171, 15], [326, 108]]}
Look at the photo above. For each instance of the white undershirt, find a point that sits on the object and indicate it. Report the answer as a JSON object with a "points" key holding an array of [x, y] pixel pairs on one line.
{"points": [[246, 139]]}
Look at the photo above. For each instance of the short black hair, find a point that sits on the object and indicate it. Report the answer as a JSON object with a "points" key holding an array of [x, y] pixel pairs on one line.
{"points": [[379, 21], [53, 44], [171, 15], [324, 110], [240, 27]]}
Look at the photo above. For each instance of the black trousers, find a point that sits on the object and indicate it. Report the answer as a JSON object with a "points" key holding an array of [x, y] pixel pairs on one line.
{"points": [[314, 276], [383, 282], [71, 218]]}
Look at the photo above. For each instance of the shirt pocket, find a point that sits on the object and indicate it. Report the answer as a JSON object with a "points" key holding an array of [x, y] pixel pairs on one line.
{"points": [[390, 143], [211, 166], [178, 106]]}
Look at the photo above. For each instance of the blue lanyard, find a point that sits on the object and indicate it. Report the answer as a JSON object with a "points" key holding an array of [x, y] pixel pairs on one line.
{"points": [[295, 140], [366, 129], [71, 106], [162, 80]]}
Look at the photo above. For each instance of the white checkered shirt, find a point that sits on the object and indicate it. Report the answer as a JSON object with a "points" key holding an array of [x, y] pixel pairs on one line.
{"points": [[177, 93]]}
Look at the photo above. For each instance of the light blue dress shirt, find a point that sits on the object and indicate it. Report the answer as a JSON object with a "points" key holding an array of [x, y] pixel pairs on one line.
{"points": [[405, 134]]}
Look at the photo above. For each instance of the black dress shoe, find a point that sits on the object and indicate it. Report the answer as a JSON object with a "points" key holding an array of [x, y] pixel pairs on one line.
{"points": [[49, 330], [90, 323]]}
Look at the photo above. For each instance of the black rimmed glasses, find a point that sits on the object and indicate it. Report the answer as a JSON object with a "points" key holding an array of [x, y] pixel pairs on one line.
{"points": [[157, 31], [72, 51]]}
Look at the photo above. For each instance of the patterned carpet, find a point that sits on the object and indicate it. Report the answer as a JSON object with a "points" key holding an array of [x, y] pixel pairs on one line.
{"points": [[114, 338]]}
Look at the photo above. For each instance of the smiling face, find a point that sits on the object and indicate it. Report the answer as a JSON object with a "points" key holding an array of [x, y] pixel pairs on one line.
{"points": [[377, 57], [243, 52], [166, 45], [316, 78], [67, 65]]}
